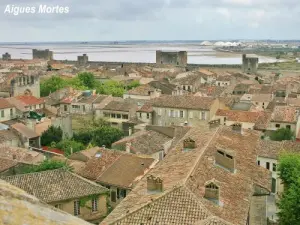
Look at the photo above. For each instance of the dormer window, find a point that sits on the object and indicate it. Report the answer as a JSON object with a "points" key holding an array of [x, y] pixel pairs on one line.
{"points": [[225, 160], [212, 192], [189, 144]]}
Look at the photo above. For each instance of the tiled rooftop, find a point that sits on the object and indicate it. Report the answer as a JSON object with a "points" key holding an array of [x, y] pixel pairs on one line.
{"points": [[184, 102], [30, 100], [184, 175], [285, 114], [55, 185]]}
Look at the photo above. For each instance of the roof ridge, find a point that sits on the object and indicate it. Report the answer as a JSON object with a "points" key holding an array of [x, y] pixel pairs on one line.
{"points": [[200, 155], [45, 171]]}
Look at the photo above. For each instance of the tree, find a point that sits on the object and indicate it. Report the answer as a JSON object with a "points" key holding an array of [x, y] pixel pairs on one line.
{"points": [[53, 134], [98, 136], [111, 87], [46, 165], [87, 79], [52, 84], [70, 146], [282, 134], [133, 84], [106, 136], [289, 170]]}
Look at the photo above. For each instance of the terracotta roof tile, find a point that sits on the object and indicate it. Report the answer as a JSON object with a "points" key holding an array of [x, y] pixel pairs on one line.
{"points": [[141, 90], [184, 102], [30, 100], [4, 104], [5, 164], [55, 185], [287, 114], [189, 171], [24, 130]]}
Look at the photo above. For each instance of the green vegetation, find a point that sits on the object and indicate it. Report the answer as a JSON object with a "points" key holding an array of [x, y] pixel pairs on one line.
{"points": [[69, 146], [94, 133], [46, 165], [282, 134], [86, 81], [53, 134], [98, 133], [289, 169]]}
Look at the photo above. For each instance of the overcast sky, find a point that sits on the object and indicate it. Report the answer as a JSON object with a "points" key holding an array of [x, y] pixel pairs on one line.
{"points": [[110, 20]]}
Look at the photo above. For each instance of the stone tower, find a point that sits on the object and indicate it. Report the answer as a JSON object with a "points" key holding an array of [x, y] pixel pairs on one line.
{"points": [[82, 60], [171, 58], [250, 63], [42, 54], [6, 56]]}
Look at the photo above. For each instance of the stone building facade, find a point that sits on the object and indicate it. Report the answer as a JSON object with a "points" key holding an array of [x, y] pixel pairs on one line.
{"points": [[25, 85], [173, 58], [82, 59], [250, 63], [42, 54], [6, 56]]}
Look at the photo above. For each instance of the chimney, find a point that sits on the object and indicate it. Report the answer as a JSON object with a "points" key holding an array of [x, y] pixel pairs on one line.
{"points": [[225, 159], [237, 128], [189, 144], [128, 146], [154, 184], [130, 131]]}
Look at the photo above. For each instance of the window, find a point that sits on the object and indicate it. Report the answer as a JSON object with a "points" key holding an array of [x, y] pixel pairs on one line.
{"points": [[125, 117], [119, 116], [140, 115], [274, 167], [76, 208], [2, 113], [258, 162], [118, 193], [94, 204], [113, 196], [123, 193], [288, 127], [191, 115], [277, 125], [181, 114], [172, 113], [148, 115], [113, 115], [11, 112], [83, 108], [268, 165], [65, 108], [106, 114], [203, 116], [58, 206]]}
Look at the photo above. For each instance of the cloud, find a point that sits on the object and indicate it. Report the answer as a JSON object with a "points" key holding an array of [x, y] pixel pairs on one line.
{"points": [[153, 19]]}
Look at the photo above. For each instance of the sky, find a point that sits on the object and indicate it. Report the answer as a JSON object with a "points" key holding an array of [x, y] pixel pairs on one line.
{"points": [[117, 20]]}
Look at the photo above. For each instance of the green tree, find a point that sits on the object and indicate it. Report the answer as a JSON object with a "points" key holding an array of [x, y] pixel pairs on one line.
{"points": [[133, 84], [87, 79], [51, 85], [111, 87], [282, 134], [53, 134], [76, 83], [106, 136], [70, 146], [46, 165], [289, 170]]}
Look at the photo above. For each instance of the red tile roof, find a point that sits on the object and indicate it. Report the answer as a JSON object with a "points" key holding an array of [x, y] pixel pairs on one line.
{"points": [[4, 104], [30, 100]]}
